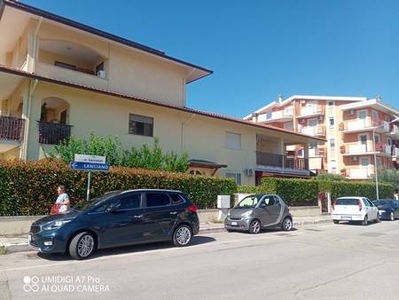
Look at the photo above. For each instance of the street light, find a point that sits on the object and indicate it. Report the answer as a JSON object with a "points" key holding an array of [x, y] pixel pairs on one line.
{"points": [[375, 165]]}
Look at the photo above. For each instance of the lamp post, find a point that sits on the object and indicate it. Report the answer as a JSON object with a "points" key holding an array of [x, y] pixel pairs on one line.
{"points": [[375, 166]]}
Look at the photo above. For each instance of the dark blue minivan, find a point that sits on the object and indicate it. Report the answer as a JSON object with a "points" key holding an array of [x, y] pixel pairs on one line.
{"points": [[115, 219]]}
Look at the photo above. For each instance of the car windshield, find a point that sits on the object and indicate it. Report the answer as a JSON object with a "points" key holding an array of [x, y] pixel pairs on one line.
{"points": [[380, 202], [97, 201], [249, 201]]}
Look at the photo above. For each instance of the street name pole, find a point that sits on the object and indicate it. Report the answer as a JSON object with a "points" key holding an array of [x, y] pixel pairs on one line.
{"points": [[88, 186]]}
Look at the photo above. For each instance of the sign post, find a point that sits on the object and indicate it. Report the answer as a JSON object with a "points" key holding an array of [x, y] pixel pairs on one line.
{"points": [[84, 162]]}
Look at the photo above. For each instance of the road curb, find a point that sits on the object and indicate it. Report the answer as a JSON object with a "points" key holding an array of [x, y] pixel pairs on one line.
{"points": [[208, 228]]}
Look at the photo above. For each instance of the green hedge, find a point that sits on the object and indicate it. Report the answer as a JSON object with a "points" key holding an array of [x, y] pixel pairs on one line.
{"points": [[299, 192], [29, 188]]}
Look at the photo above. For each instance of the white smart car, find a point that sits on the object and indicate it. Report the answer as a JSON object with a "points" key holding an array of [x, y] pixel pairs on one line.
{"points": [[359, 209]]}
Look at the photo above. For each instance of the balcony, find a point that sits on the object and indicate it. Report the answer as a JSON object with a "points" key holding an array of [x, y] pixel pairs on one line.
{"points": [[311, 111], [319, 130], [53, 133], [367, 148], [12, 129], [394, 131], [360, 125], [282, 163], [365, 172], [73, 76], [284, 115]]}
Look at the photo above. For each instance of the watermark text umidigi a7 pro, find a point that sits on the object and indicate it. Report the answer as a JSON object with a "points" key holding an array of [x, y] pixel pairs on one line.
{"points": [[64, 284]]}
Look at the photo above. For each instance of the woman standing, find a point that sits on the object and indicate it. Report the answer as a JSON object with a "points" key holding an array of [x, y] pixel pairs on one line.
{"points": [[62, 199]]}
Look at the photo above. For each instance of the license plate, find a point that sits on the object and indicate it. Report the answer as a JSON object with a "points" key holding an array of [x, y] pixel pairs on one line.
{"points": [[234, 223], [346, 218]]}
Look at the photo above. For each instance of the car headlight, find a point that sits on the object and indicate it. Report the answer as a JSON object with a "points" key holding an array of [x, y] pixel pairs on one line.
{"points": [[246, 214], [55, 224]]}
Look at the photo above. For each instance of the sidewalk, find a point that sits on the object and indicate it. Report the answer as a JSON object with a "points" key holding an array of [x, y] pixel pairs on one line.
{"points": [[19, 243]]}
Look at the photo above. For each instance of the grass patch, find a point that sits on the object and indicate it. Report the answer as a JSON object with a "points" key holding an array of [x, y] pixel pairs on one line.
{"points": [[3, 250], [215, 220]]}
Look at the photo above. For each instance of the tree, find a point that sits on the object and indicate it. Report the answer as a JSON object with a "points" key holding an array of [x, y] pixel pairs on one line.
{"points": [[116, 155], [389, 176]]}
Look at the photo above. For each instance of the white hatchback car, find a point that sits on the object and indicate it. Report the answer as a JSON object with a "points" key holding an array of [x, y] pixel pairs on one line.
{"points": [[359, 209]]}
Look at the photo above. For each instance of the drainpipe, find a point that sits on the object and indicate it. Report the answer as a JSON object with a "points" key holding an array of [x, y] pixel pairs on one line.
{"points": [[182, 124]]}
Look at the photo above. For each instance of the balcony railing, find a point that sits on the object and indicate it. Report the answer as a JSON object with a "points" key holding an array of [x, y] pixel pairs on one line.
{"points": [[281, 161], [12, 128], [319, 130], [364, 125], [312, 110], [53, 133], [367, 148]]}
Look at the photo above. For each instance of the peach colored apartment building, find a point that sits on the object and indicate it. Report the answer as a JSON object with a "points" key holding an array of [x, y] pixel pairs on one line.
{"points": [[60, 78], [362, 135]]}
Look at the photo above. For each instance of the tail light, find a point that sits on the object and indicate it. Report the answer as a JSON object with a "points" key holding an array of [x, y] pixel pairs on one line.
{"points": [[192, 208], [360, 204]]}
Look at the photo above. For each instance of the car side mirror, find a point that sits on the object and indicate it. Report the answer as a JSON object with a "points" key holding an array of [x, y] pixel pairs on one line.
{"points": [[263, 205]]}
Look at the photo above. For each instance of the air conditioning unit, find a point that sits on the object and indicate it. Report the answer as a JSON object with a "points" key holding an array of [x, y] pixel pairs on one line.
{"points": [[354, 158], [101, 74], [351, 112], [249, 172]]}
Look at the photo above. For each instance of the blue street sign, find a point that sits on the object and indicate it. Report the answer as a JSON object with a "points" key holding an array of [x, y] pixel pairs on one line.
{"points": [[86, 166]]}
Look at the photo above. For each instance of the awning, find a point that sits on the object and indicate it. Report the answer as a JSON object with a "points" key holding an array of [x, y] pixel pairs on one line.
{"points": [[198, 163]]}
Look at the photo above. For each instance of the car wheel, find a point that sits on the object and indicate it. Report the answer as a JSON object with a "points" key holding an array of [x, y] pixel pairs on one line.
{"points": [[255, 226], [182, 236], [335, 221], [82, 245], [365, 221], [287, 224], [377, 220], [392, 216]]}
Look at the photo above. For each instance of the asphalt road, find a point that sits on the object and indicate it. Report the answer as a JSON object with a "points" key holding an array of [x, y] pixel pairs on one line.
{"points": [[320, 261]]}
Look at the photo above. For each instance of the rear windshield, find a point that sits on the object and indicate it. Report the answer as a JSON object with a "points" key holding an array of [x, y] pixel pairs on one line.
{"points": [[347, 201]]}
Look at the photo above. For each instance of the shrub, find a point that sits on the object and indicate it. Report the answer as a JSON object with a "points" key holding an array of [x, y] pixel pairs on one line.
{"points": [[29, 188]]}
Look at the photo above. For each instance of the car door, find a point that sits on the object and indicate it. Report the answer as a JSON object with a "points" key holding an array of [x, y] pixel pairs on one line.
{"points": [[268, 210], [372, 209], [396, 208], [123, 221], [159, 216]]}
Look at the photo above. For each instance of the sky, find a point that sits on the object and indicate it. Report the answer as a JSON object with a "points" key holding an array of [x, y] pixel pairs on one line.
{"points": [[260, 49]]}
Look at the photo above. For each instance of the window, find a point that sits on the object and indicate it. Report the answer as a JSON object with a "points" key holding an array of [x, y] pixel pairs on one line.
{"points": [[233, 140], [195, 172], [176, 198], [235, 176], [330, 103], [157, 199], [332, 143], [65, 65], [331, 121], [141, 125], [130, 201]]}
